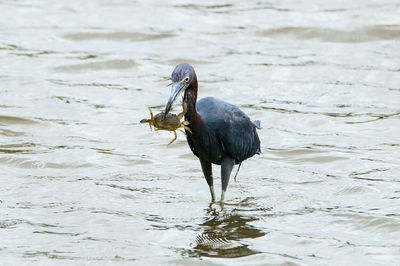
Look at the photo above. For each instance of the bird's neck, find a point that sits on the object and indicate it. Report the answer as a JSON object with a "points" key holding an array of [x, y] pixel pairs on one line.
{"points": [[190, 99]]}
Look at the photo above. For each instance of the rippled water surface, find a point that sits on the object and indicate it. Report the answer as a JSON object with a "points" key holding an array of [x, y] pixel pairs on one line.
{"points": [[83, 182]]}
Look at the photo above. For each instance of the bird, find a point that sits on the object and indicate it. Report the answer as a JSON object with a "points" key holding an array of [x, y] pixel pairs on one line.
{"points": [[221, 133]]}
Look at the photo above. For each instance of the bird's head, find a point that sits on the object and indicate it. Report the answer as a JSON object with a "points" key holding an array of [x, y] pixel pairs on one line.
{"points": [[182, 77]]}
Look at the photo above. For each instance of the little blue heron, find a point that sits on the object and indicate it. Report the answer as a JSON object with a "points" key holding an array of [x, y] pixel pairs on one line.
{"points": [[220, 132]]}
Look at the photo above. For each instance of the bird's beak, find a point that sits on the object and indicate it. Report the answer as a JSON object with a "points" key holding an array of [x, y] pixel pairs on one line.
{"points": [[176, 89]]}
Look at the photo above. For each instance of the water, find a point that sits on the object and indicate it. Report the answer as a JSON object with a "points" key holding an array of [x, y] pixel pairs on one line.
{"points": [[83, 182]]}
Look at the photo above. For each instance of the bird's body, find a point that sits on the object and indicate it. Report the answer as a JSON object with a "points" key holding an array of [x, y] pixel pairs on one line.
{"points": [[220, 132]]}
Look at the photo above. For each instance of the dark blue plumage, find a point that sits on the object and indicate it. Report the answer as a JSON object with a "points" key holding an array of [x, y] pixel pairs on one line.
{"points": [[221, 133], [227, 131]]}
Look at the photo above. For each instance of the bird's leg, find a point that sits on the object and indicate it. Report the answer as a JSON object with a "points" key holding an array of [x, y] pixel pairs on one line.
{"points": [[174, 137], [207, 171], [226, 169]]}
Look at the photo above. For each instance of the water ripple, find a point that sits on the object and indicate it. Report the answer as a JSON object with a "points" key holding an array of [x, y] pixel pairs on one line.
{"points": [[118, 36], [117, 64], [365, 34]]}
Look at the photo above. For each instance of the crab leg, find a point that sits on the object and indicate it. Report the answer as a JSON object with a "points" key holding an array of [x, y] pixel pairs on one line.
{"points": [[181, 131], [183, 112], [174, 137], [151, 119], [188, 129]]}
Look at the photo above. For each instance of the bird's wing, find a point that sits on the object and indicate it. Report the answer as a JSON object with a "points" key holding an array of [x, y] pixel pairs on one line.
{"points": [[235, 132], [239, 139]]}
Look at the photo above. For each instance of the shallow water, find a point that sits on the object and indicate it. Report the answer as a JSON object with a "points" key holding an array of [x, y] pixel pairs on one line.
{"points": [[83, 182]]}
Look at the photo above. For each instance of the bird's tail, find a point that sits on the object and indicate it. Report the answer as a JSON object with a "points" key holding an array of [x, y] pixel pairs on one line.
{"points": [[257, 123]]}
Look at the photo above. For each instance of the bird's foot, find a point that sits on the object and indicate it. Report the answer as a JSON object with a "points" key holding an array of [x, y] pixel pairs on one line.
{"points": [[223, 196]]}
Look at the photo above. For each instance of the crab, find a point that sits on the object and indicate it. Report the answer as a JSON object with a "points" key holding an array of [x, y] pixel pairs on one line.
{"points": [[171, 122]]}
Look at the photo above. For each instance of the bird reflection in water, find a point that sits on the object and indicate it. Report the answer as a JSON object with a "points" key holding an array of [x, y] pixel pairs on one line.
{"points": [[223, 233]]}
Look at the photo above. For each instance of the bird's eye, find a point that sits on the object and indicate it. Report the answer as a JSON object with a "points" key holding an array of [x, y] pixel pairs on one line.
{"points": [[186, 79]]}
